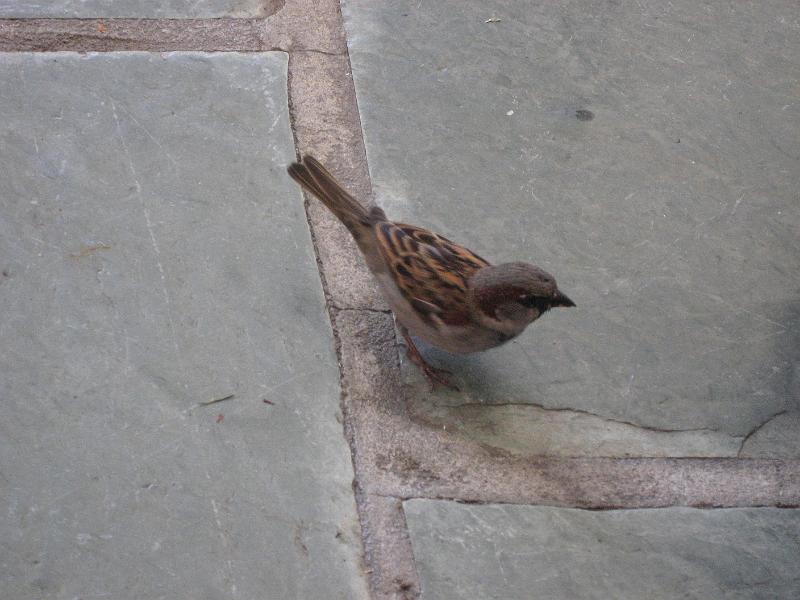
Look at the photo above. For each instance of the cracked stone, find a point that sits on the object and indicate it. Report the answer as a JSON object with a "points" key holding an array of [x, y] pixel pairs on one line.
{"points": [[682, 258], [775, 439], [534, 431]]}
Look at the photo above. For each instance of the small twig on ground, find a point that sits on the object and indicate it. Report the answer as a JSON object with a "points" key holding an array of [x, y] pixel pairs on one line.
{"points": [[214, 401]]}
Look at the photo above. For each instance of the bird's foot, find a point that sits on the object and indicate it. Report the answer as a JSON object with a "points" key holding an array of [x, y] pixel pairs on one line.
{"points": [[432, 374]]}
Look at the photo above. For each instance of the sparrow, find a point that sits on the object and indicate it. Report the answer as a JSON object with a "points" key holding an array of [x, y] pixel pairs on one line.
{"points": [[441, 292]]}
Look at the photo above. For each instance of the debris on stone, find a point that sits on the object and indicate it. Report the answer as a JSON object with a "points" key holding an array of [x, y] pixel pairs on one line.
{"points": [[215, 400], [89, 250]]}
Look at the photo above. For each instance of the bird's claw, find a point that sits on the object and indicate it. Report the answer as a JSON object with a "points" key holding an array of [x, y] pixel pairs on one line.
{"points": [[434, 376]]}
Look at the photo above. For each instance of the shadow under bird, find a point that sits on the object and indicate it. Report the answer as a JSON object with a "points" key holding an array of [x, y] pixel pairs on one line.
{"points": [[439, 291]]}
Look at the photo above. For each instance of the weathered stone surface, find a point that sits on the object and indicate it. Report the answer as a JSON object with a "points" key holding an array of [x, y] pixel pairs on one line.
{"points": [[144, 9], [646, 154], [519, 552], [155, 255]]}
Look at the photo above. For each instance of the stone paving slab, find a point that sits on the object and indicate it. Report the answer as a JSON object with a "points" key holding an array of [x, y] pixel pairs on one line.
{"points": [[519, 552], [143, 9], [647, 155], [139, 278]]}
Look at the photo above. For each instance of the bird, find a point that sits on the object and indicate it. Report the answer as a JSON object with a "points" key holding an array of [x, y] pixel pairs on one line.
{"points": [[440, 291]]}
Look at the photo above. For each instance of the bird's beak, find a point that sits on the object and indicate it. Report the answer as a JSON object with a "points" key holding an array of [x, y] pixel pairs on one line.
{"points": [[560, 299]]}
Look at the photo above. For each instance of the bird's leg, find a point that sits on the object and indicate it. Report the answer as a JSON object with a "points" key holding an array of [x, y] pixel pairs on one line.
{"points": [[432, 374]]}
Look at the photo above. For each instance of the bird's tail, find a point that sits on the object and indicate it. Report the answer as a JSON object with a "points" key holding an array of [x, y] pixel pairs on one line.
{"points": [[315, 178]]}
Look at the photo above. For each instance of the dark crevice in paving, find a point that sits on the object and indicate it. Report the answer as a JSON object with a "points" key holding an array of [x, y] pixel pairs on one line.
{"points": [[353, 309], [579, 411], [589, 507], [325, 52], [758, 428]]}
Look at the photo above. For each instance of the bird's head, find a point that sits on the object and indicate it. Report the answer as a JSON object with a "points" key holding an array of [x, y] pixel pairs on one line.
{"points": [[510, 296]]}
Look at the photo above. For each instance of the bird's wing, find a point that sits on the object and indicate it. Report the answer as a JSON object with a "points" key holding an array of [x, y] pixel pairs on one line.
{"points": [[430, 270]]}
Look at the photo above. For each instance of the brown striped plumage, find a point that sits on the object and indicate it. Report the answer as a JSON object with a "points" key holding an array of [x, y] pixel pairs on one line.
{"points": [[442, 292], [424, 265]]}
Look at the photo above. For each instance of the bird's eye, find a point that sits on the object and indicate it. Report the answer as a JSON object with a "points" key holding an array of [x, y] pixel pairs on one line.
{"points": [[529, 301]]}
